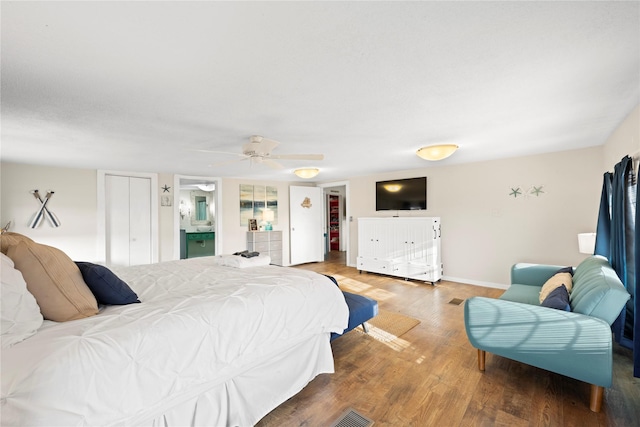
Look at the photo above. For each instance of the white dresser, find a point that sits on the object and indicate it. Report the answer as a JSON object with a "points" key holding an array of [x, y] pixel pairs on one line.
{"points": [[267, 243], [404, 247]]}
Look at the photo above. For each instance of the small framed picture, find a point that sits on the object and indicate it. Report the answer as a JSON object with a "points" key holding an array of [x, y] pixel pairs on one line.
{"points": [[253, 224]]}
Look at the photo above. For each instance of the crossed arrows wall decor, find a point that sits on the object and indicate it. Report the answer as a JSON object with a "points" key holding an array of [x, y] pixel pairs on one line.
{"points": [[43, 211]]}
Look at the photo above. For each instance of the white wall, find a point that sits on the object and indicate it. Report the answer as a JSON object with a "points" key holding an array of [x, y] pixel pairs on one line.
{"points": [[625, 140], [484, 230], [165, 217], [235, 235], [74, 203]]}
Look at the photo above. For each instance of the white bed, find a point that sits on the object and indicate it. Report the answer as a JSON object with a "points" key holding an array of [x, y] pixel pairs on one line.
{"points": [[209, 345]]}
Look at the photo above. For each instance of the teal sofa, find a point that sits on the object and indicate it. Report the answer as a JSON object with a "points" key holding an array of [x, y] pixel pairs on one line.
{"points": [[576, 343]]}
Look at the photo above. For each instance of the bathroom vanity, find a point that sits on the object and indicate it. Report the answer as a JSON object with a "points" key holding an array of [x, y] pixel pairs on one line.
{"points": [[196, 244]]}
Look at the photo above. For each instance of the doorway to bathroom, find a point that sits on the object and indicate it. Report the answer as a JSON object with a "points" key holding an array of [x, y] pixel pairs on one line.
{"points": [[197, 216]]}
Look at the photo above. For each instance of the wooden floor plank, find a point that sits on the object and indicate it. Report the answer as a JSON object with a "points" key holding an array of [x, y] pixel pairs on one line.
{"points": [[434, 380]]}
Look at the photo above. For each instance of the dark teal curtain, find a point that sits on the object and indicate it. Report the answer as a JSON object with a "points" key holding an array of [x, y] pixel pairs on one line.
{"points": [[616, 239], [636, 304], [603, 230]]}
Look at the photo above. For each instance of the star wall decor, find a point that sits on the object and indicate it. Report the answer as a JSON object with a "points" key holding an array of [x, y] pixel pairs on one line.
{"points": [[526, 192], [166, 189], [536, 191]]}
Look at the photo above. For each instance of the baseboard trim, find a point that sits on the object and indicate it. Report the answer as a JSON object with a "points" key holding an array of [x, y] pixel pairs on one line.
{"points": [[465, 281], [475, 282]]}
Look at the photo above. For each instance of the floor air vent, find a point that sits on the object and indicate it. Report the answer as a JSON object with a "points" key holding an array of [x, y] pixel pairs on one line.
{"points": [[352, 419], [456, 301]]}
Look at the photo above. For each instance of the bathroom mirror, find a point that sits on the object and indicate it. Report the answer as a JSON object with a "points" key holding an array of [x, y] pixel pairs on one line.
{"points": [[200, 211]]}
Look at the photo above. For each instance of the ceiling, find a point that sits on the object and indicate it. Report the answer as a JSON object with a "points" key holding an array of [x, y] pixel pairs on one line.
{"points": [[146, 86]]}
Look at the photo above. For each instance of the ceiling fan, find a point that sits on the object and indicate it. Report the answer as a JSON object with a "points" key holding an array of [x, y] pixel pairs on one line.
{"points": [[258, 150]]}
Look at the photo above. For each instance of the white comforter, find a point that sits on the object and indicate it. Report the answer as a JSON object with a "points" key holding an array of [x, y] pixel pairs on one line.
{"points": [[199, 324]]}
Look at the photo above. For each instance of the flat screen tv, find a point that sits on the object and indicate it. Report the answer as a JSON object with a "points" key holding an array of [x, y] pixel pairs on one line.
{"points": [[402, 194]]}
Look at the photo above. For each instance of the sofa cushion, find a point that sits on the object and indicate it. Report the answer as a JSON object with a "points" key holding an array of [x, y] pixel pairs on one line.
{"points": [[597, 290], [557, 280], [55, 281], [558, 299], [522, 293]]}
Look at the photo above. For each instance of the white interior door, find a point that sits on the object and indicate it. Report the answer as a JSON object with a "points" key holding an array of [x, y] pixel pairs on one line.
{"points": [[128, 220], [117, 219], [306, 222], [139, 221]]}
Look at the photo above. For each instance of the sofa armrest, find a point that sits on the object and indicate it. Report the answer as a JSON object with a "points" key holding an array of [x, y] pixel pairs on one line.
{"points": [[567, 343], [532, 274]]}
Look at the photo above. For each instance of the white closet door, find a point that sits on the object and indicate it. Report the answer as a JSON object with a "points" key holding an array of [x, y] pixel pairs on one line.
{"points": [[139, 221], [117, 219], [128, 220], [307, 233]]}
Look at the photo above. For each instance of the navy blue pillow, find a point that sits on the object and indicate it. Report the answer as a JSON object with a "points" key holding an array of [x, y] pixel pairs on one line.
{"points": [[105, 285], [558, 299], [565, 270]]}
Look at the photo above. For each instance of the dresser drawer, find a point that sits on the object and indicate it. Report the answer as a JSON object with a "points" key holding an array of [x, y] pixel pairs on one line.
{"points": [[374, 265], [257, 237], [262, 247], [275, 245], [275, 236]]}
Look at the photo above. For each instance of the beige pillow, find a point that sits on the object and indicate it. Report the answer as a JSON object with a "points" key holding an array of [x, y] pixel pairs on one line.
{"points": [[556, 281], [55, 281], [10, 239]]}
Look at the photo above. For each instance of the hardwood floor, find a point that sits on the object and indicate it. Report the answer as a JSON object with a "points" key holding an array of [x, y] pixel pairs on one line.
{"points": [[430, 376]]}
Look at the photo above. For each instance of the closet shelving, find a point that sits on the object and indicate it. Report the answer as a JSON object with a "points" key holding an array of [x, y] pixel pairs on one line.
{"points": [[334, 223]]}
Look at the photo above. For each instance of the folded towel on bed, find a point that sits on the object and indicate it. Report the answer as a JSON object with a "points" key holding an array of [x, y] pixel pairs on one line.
{"points": [[238, 261]]}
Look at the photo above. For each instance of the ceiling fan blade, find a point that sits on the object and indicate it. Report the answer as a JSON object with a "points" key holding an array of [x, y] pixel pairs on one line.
{"points": [[298, 156], [272, 164], [230, 161], [221, 152], [267, 145]]}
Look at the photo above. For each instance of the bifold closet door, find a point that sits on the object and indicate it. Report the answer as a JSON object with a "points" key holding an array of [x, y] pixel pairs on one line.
{"points": [[128, 220]]}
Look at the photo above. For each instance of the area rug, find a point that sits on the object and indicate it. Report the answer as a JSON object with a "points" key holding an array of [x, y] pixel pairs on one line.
{"points": [[388, 326]]}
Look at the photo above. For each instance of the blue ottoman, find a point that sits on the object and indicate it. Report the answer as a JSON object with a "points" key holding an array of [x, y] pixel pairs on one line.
{"points": [[361, 309]]}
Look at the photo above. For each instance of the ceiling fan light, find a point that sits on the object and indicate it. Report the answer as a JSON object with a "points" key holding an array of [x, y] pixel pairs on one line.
{"points": [[437, 152], [306, 173]]}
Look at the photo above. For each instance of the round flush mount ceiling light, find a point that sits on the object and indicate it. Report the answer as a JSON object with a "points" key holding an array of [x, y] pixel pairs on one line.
{"points": [[307, 173], [437, 152]]}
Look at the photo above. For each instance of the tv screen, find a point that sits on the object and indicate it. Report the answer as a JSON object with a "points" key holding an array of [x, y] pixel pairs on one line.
{"points": [[402, 194]]}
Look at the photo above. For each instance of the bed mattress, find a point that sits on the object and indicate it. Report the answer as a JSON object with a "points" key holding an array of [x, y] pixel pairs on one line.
{"points": [[200, 325]]}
